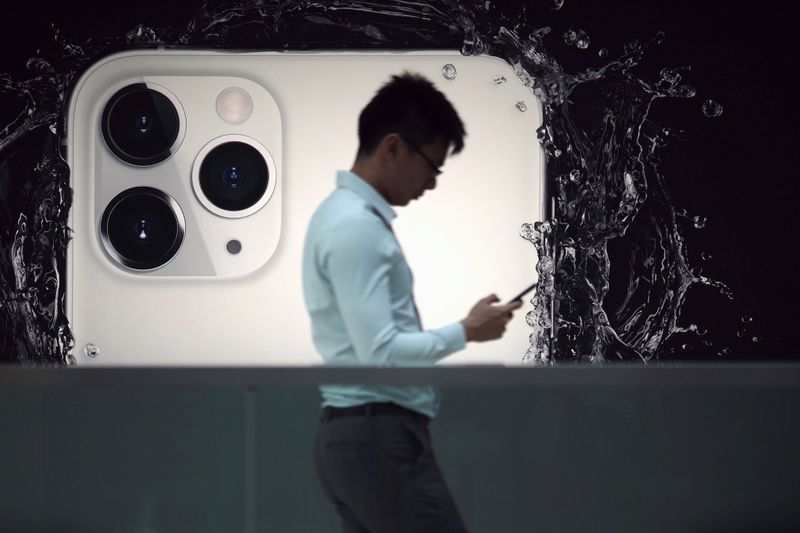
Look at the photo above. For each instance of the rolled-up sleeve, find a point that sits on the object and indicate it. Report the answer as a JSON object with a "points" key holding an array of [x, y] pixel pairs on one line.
{"points": [[358, 259]]}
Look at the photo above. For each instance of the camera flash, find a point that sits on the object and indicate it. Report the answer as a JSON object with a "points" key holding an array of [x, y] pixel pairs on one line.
{"points": [[234, 105]]}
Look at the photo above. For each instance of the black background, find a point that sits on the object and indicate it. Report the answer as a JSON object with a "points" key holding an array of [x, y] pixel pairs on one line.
{"points": [[737, 170]]}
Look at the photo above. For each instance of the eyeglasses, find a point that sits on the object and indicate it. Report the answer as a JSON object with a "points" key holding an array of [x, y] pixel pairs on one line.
{"points": [[436, 170]]}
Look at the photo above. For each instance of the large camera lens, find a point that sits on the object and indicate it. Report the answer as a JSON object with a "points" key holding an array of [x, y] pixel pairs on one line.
{"points": [[234, 176], [141, 125], [142, 228]]}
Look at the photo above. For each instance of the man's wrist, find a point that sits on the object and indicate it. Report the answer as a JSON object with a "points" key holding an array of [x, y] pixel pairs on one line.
{"points": [[467, 331]]}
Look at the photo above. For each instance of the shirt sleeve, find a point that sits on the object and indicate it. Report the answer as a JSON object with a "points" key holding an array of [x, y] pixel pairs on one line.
{"points": [[359, 258]]}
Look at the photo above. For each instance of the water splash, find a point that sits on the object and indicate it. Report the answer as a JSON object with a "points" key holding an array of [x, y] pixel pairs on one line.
{"points": [[576, 38], [449, 72], [32, 293], [711, 108], [602, 156]]}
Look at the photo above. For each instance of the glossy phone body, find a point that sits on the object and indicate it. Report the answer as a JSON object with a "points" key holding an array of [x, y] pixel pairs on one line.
{"points": [[207, 306]]}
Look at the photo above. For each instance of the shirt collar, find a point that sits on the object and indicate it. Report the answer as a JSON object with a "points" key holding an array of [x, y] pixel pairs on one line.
{"points": [[354, 182]]}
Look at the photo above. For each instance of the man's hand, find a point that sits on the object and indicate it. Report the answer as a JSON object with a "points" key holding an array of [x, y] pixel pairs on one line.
{"points": [[487, 322]]}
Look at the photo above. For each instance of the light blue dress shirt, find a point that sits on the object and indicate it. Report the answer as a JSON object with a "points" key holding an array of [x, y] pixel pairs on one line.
{"points": [[358, 292]]}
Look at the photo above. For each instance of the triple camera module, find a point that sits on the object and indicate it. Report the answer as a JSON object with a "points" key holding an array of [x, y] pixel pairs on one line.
{"points": [[142, 228]]}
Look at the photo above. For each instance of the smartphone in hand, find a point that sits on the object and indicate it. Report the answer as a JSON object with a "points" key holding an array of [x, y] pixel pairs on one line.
{"points": [[523, 293]]}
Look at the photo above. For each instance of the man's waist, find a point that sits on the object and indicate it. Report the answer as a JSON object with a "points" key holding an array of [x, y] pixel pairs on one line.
{"points": [[373, 409], [423, 399]]}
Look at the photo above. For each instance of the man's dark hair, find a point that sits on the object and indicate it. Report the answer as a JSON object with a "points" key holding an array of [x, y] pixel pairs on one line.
{"points": [[411, 106]]}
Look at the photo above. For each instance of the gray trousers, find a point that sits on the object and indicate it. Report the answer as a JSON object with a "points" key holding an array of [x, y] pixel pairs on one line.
{"points": [[380, 473]]}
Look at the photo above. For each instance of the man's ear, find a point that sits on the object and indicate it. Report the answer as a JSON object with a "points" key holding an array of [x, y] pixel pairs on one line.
{"points": [[389, 147]]}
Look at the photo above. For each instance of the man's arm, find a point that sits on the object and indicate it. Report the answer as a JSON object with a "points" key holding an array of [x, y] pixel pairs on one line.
{"points": [[358, 260]]}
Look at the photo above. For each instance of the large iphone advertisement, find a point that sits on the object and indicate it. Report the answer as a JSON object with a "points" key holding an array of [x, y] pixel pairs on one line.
{"points": [[160, 172], [257, 257]]}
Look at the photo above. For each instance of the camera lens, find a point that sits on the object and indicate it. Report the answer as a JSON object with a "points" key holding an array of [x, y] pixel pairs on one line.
{"points": [[234, 176], [142, 228], [140, 125]]}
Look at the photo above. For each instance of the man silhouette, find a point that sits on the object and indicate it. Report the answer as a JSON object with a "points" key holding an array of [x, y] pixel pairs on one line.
{"points": [[373, 452]]}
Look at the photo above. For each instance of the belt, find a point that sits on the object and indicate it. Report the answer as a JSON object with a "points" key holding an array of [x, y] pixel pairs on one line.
{"points": [[373, 408]]}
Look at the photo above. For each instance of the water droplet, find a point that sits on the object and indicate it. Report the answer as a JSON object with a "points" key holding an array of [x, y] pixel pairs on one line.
{"points": [[141, 34], [374, 32], [670, 75], [499, 80], [526, 231], [557, 4], [449, 71], [37, 64], [537, 34], [557, 152], [705, 256], [632, 46], [524, 78], [543, 227], [91, 350], [686, 91], [542, 135], [724, 351], [546, 265], [711, 108], [756, 339], [521, 106], [576, 38], [575, 176], [659, 37], [51, 284], [699, 222], [53, 129], [603, 52], [746, 319]]}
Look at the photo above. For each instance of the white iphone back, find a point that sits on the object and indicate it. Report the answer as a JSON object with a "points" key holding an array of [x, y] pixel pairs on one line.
{"points": [[208, 306]]}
